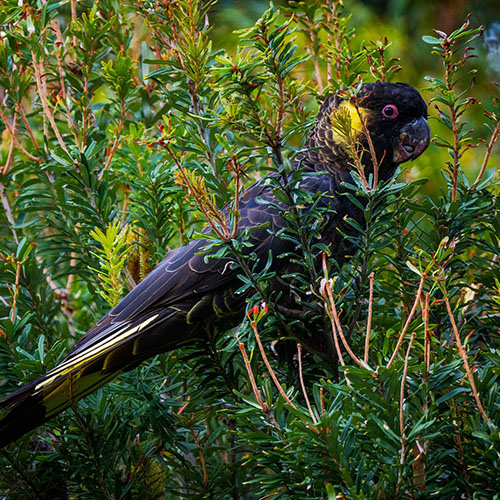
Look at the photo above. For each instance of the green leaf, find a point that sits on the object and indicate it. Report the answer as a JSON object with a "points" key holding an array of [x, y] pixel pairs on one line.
{"points": [[431, 40]]}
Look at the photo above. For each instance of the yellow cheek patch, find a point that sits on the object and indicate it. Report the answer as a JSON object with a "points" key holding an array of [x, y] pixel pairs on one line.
{"points": [[346, 123]]}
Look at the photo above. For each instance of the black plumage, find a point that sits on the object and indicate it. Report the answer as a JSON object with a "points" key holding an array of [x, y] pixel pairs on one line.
{"points": [[186, 292]]}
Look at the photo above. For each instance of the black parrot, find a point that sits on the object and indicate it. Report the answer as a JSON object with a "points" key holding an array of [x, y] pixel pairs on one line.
{"points": [[185, 292]]}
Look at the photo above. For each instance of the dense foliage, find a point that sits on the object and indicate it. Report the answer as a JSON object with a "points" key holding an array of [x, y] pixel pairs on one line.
{"points": [[124, 132]]}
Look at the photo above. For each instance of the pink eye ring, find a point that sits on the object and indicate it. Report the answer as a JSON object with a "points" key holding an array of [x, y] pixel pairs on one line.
{"points": [[390, 111]]}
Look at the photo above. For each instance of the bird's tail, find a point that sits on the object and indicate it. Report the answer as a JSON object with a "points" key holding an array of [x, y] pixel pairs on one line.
{"points": [[93, 363]]}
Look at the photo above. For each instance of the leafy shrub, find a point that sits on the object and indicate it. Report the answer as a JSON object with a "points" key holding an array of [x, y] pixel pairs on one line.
{"points": [[124, 132]]}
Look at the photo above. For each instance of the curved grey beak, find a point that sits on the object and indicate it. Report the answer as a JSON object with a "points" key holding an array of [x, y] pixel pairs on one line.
{"points": [[412, 140]]}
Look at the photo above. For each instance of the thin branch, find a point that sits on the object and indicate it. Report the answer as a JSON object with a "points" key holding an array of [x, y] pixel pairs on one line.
{"points": [[401, 416], [74, 407], [335, 336], [59, 44], [12, 134], [42, 91], [335, 315], [359, 165], [74, 17], [342, 124], [329, 14], [299, 352], [265, 408], [317, 70], [454, 119], [403, 381], [323, 295], [236, 209], [85, 108], [280, 114], [224, 235], [200, 453], [463, 355], [369, 320], [427, 338], [20, 110], [408, 321], [8, 212], [269, 367], [8, 162], [71, 277], [371, 147], [62, 295], [493, 138], [16, 291], [118, 133]]}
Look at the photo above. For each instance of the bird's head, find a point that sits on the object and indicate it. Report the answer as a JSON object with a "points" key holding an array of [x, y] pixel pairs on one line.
{"points": [[394, 114]]}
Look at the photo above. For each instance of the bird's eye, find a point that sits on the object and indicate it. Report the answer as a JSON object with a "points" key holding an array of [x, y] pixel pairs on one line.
{"points": [[390, 111]]}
